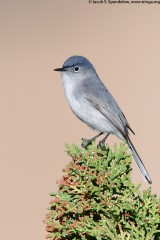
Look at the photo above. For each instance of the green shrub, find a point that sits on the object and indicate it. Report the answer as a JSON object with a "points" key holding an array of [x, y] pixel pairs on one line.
{"points": [[96, 199]]}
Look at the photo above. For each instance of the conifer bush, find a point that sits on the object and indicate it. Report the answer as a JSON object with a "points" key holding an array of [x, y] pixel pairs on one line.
{"points": [[97, 200]]}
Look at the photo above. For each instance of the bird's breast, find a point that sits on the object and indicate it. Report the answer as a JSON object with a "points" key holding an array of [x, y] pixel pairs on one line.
{"points": [[70, 88]]}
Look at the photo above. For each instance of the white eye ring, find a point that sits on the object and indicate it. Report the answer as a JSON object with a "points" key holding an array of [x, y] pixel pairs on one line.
{"points": [[76, 69]]}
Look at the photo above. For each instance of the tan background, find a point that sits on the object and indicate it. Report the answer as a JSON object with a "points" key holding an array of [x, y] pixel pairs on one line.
{"points": [[123, 43]]}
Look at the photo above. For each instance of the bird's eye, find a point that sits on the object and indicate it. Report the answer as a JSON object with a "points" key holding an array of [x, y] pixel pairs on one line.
{"points": [[76, 69]]}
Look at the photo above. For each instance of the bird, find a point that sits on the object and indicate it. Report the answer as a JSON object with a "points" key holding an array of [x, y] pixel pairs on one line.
{"points": [[91, 101]]}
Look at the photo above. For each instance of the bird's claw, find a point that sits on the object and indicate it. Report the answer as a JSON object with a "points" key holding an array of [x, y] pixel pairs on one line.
{"points": [[85, 143], [102, 146]]}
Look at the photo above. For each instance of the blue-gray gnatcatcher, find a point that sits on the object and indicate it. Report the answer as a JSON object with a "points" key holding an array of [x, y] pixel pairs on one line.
{"points": [[93, 104]]}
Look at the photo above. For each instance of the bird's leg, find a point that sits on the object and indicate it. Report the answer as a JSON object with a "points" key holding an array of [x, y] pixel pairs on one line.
{"points": [[87, 142], [101, 143]]}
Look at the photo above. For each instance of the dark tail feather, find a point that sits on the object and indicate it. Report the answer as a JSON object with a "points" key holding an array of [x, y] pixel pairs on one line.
{"points": [[139, 161]]}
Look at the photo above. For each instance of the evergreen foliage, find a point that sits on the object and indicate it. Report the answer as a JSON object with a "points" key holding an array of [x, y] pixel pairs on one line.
{"points": [[97, 200]]}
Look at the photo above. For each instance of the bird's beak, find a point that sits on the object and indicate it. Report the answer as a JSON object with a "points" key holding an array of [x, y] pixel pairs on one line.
{"points": [[60, 69]]}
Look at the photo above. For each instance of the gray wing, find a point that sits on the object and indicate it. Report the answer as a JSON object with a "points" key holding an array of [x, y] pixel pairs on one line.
{"points": [[98, 95]]}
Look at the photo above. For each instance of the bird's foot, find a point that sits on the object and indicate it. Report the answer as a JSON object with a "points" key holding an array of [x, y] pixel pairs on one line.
{"points": [[101, 145], [85, 142]]}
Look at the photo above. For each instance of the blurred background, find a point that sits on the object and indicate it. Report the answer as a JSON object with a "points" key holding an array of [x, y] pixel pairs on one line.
{"points": [[123, 43]]}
